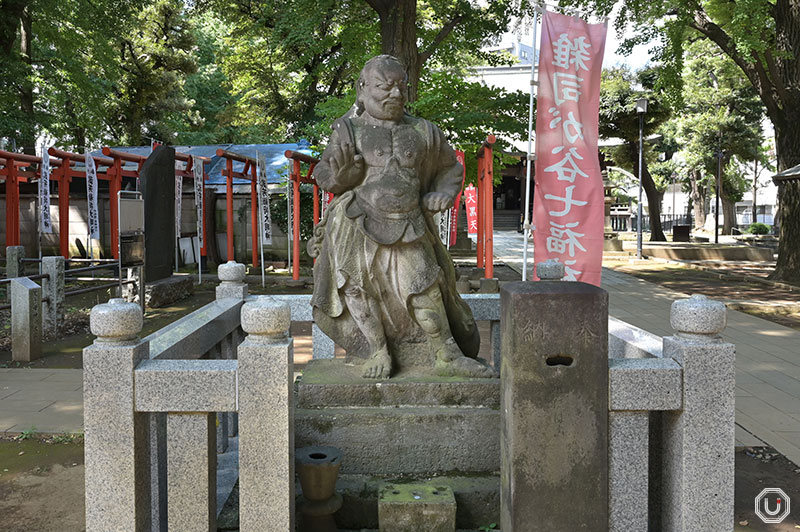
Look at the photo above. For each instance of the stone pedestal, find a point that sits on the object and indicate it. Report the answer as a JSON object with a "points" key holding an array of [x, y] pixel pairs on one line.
{"points": [[26, 320], [415, 507], [554, 439], [412, 425]]}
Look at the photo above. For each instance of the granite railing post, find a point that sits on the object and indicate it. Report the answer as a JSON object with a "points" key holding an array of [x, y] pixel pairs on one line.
{"points": [[14, 265], [26, 319], [554, 407], [116, 437], [231, 276], [54, 291], [550, 270], [266, 413], [698, 451], [321, 344]]}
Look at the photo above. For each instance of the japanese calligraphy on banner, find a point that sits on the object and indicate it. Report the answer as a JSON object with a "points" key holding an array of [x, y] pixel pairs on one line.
{"points": [[197, 169], [45, 224], [457, 203], [178, 204], [91, 197], [471, 203], [263, 201], [568, 205]]}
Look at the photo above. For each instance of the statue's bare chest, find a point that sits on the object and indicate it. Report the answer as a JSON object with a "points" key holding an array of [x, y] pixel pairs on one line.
{"points": [[379, 144]]}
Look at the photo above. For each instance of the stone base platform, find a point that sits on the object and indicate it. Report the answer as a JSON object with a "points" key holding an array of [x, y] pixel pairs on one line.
{"points": [[477, 499], [411, 424]]}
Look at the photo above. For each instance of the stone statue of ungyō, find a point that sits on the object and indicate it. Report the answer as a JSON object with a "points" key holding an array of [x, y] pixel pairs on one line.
{"points": [[384, 285]]}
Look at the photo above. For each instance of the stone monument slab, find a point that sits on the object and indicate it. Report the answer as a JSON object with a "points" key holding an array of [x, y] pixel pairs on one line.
{"points": [[158, 190]]}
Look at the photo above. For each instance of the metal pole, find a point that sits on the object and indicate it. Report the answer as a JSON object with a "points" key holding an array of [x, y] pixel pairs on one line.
{"points": [[674, 214], [716, 213], [639, 211], [526, 225]]}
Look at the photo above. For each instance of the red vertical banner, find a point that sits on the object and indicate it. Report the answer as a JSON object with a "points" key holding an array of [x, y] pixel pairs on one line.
{"points": [[471, 204], [457, 203], [568, 206]]}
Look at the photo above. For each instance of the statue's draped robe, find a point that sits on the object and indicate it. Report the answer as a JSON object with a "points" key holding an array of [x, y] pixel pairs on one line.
{"points": [[376, 235]]}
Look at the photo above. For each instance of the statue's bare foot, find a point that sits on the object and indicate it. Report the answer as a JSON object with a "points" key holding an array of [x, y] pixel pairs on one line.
{"points": [[379, 366], [463, 367], [451, 362]]}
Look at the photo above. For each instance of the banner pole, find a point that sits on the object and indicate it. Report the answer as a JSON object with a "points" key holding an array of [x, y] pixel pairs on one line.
{"points": [[526, 226]]}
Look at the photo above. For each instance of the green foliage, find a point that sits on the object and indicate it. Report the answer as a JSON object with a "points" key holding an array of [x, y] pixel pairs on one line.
{"points": [[721, 112], [156, 57], [486, 528], [469, 111], [758, 228], [278, 209], [28, 434]]}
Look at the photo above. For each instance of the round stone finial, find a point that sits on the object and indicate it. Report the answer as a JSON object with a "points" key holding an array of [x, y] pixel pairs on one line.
{"points": [[231, 271], [266, 316], [698, 315], [550, 270], [116, 321]]}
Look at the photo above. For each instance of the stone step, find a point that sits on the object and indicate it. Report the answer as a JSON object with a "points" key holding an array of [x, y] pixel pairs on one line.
{"points": [[333, 383], [405, 440]]}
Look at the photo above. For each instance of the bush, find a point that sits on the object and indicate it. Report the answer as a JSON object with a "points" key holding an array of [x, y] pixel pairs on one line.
{"points": [[758, 229]]}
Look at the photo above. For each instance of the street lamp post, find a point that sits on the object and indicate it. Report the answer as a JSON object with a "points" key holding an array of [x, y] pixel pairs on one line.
{"points": [[641, 109], [719, 187]]}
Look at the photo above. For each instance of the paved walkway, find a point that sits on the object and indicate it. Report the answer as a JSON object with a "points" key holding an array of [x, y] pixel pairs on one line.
{"points": [[42, 400], [767, 354], [767, 367]]}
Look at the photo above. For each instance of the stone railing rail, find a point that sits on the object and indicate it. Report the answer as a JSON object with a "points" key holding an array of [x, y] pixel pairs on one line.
{"points": [[151, 406]]}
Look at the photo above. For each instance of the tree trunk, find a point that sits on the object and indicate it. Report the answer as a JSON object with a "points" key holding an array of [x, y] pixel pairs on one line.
{"points": [[653, 196], [10, 15], [28, 132], [787, 142], [398, 22], [78, 132], [729, 214], [698, 195]]}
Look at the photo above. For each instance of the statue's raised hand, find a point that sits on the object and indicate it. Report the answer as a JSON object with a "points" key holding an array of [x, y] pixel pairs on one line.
{"points": [[437, 201], [347, 165]]}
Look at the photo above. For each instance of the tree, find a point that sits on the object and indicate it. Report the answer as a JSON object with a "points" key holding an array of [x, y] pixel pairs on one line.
{"points": [[720, 119], [155, 60], [415, 32], [58, 67], [618, 119], [287, 68], [762, 38]]}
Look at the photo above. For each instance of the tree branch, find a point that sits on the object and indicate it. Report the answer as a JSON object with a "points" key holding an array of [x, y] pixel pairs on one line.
{"points": [[381, 7], [775, 75], [753, 70], [441, 36]]}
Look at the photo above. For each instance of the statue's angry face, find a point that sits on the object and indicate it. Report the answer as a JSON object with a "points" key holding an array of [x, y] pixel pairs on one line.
{"points": [[383, 89]]}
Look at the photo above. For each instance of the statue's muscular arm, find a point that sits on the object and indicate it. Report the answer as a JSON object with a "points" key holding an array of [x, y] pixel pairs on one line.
{"points": [[447, 182], [340, 168]]}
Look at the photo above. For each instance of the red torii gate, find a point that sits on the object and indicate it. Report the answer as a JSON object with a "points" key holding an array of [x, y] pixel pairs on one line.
{"points": [[64, 176], [63, 172], [10, 171], [297, 177], [251, 167], [486, 206]]}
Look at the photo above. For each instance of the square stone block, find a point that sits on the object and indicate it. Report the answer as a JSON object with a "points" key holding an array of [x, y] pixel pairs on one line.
{"points": [[416, 507]]}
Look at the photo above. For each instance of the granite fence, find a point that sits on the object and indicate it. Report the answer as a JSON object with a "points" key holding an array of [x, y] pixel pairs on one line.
{"points": [[156, 407]]}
